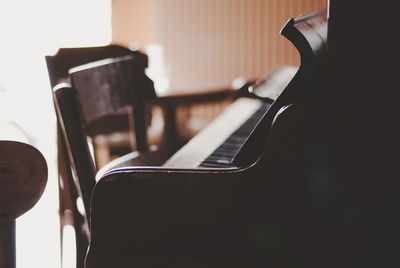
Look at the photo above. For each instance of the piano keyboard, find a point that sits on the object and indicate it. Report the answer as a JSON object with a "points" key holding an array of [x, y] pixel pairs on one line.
{"points": [[223, 155], [217, 144]]}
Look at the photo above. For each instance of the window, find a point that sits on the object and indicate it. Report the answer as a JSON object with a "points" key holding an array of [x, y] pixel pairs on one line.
{"points": [[29, 30]]}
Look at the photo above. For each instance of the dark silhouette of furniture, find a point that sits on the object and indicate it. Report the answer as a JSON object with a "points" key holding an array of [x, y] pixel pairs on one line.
{"points": [[99, 89], [58, 66], [23, 177], [253, 214], [70, 188], [66, 58]]}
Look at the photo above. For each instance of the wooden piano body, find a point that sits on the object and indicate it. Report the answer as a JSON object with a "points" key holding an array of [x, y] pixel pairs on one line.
{"points": [[251, 213]]}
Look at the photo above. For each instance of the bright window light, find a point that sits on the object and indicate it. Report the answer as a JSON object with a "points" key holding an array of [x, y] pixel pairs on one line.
{"points": [[29, 30]]}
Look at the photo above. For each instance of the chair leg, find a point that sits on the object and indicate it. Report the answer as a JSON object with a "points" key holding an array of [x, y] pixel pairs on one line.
{"points": [[140, 125], [69, 213], [62, 191], [101, 151]]}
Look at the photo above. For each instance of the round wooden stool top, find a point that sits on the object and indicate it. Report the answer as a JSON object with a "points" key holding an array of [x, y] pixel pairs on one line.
{"points": [[23, 178]]}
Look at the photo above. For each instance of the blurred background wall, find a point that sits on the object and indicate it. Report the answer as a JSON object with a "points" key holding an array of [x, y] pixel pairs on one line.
{"points": [[208, 43]]}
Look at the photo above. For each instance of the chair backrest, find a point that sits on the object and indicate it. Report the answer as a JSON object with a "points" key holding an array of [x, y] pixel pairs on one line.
{"points": [[110, 85], [97, 90], [59, 64]]}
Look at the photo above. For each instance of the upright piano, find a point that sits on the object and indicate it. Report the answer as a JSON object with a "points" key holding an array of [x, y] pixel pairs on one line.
{"points": [[227, 198]]}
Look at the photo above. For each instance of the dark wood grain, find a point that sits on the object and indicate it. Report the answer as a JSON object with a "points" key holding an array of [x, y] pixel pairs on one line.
{"points": [[23, 174], [67, 108], [23, 178], [107, 86], [58, 66], [99, 89]]}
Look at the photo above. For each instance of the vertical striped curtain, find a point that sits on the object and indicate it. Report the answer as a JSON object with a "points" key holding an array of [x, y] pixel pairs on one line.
{"points": [[208, 43]]}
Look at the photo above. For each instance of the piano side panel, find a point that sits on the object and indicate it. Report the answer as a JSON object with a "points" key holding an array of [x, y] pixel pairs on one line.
{"points": [[169, 218]]}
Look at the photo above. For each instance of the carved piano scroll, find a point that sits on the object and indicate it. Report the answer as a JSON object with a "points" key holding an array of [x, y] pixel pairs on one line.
{"points": [[308, 34], [23, 177]]}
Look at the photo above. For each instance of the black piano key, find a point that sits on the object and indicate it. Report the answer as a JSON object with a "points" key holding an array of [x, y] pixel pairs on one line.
{"points": [[220, 153], [223, 155], [219, 160], [215, 165]]}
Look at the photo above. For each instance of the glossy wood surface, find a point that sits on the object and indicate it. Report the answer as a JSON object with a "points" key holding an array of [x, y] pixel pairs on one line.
{"points": [[234, 120], [308, 34], [252, 216]]}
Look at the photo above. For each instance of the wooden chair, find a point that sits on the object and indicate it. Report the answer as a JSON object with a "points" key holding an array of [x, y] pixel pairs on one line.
{"points": [[99, 90], [58, 66], [66, 58]]}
